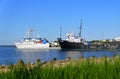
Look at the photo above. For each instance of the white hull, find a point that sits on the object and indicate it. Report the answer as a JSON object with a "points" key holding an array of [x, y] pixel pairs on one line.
{"points": [[32, 46]]}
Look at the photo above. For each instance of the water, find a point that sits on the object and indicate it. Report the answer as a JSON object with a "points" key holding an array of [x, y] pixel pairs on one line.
{"points": [[11, 55]]}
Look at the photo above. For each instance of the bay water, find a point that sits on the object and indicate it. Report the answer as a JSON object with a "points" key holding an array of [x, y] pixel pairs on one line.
{"points": [[11, 55]]}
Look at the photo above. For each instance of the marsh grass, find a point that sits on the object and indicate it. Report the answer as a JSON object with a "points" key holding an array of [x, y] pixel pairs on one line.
{"points": [[91, 68]]}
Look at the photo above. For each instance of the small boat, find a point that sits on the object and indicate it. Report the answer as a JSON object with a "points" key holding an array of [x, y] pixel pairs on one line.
{"points": [[29, 42]]}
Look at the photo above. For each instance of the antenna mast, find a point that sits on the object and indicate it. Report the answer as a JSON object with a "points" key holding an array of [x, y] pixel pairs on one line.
{"points": [[29, 33], [80, 29]]}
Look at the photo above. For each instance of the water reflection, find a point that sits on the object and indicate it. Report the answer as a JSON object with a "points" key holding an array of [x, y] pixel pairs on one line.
{"points": [[87, 54], [73, 54], [30, 51], [33, 55]]}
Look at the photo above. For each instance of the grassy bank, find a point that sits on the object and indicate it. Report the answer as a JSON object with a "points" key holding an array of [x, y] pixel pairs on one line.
{"points": [[91, 68]]}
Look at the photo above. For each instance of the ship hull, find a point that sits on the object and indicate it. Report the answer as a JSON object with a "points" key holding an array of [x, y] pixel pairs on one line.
{"points": [[32, 46], [66, 45]]}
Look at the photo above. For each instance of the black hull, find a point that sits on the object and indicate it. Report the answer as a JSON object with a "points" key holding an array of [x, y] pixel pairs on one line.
{"points": [[72, 45]]}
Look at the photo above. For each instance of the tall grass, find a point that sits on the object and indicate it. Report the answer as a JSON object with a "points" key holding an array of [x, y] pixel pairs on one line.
{"points": [[82, 69]]}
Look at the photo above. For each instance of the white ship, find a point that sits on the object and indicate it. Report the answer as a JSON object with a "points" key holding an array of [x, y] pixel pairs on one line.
{"points": [[29, 42]]}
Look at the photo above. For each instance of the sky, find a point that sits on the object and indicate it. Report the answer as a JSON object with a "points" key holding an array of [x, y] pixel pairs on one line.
{"points": [[101, 19]]}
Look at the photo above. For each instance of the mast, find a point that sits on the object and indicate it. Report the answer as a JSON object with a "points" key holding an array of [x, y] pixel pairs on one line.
{"points": [[80, 29], [29, 33]]}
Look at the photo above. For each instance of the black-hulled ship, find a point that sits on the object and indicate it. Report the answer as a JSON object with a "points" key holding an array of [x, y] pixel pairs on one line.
{"points": [[73, 42]]}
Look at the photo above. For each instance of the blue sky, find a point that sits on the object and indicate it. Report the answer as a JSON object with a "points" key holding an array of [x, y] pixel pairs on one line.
{"points": [[101, 18]]}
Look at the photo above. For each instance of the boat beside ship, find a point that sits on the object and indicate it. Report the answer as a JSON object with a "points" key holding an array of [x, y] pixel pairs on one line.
{"points": [[29, 42], [72, 42]]}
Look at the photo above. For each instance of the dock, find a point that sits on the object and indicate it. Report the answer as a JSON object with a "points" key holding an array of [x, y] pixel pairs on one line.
{"points": [[58, 48]]}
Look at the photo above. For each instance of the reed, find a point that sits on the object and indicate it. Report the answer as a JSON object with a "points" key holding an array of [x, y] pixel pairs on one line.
{"points": [[91, 68]]}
